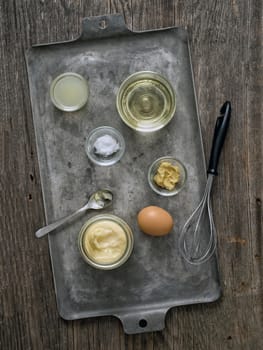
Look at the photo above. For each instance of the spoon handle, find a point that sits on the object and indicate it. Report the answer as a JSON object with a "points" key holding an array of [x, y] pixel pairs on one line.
{"points": [[46, 229]]}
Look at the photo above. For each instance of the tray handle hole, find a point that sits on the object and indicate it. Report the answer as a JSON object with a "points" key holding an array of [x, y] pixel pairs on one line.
{"points": [[142, 323], [103, 24]]}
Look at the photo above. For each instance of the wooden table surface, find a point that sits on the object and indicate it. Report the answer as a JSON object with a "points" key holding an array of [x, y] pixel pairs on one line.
{"points": [[226, 53]]}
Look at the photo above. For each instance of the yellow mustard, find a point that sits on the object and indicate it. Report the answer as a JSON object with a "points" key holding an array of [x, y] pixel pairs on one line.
{"points": [[105, 242], [167, 176]]}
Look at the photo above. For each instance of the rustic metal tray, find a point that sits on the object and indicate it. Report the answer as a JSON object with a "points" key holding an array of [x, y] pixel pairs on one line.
{"points": [[155, 278]]}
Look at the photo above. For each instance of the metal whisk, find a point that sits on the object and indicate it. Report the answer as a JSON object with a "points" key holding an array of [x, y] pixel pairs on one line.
{"points": [[194, 246]]}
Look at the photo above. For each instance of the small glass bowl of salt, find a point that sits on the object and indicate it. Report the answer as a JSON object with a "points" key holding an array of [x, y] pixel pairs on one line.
{"points": [[105, 146]]}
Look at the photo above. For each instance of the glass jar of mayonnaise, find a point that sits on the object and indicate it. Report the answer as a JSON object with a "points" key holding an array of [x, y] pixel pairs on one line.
{"points": [[105, 241]]}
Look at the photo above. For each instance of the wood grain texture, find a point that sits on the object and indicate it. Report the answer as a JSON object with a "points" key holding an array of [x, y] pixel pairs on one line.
{"points": [[225, 39]]}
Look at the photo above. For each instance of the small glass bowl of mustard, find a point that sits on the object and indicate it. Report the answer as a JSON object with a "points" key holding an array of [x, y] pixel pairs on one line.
{"points": [[105, 241], [167, 176]]}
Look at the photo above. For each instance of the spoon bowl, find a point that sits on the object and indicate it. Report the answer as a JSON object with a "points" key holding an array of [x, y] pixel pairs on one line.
{"points": [[100, 200]]}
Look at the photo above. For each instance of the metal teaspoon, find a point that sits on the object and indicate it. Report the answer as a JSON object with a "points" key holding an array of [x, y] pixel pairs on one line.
{"points": [[98, 200]]}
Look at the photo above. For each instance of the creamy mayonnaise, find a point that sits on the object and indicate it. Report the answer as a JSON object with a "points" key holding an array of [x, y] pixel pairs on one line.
{"points": [[104, 242]]}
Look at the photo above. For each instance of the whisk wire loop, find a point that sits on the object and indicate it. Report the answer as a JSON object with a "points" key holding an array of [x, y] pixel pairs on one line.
{"points": [[190, 252]]}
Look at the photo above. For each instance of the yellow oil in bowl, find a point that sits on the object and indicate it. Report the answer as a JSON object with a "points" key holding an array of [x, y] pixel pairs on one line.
{"points": [[146, 101]]}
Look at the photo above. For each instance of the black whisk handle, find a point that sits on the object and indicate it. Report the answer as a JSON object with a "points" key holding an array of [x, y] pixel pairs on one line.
{"points": [[220, 132]]}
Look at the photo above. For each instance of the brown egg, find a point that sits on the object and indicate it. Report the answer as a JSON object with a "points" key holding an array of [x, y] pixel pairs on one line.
{"points": [[155, 221]]}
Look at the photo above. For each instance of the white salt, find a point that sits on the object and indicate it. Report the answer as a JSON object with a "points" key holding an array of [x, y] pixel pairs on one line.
{"points": [[106, 145]]}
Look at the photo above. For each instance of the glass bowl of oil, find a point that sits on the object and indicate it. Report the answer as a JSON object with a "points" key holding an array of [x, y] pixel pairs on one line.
{"points": [[146, 101]]}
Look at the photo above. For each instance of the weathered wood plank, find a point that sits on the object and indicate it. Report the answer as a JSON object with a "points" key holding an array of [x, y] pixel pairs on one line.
{"points": [[125, 8]]}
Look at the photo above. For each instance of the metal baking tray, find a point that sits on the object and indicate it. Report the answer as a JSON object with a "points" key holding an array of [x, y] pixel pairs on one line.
{"points": [[155, 278]]}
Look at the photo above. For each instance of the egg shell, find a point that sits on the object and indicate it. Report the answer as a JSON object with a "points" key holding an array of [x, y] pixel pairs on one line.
{"points": [[155, 221]]}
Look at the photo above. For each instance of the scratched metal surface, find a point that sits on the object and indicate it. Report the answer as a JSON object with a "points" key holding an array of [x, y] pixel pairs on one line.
{"points": [[155, 278]]}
